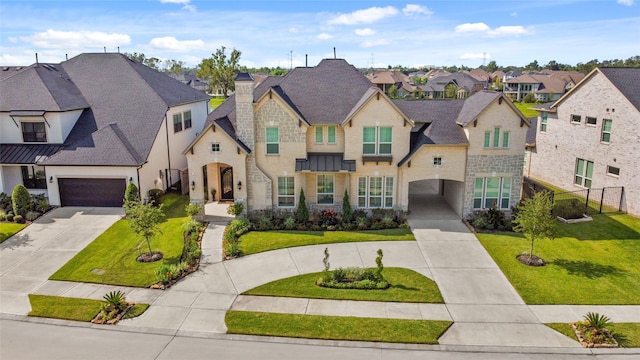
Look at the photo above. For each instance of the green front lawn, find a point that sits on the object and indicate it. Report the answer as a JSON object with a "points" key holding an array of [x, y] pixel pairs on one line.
{"points": [[525, 109], [406, 286], [335, 327], [626, 334], [8, 229], [259, 241], [216, 101], [57, 307], [111, 258], [588, 263]]}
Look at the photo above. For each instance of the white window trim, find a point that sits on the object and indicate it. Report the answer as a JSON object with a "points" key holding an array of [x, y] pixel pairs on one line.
{"points": [[584, 173], [333, 195], [335, 135], [267, 143], [440, 163], [602, 131], [377, 141], [483, 198], [383, 191], [215, 151], [315, 134], [586, 121], [293, 196], [573, 117], [612, 174]]}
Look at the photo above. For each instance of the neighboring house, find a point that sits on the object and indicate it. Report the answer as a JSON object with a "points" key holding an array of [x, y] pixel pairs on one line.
{"points": [[190, 78], [546, 86], [385, 79], [465, 85], [79, 131], [327, 128], [590, 137]]}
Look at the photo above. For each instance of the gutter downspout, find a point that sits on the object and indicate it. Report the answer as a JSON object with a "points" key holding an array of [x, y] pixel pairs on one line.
{"points": [[166, 126]]}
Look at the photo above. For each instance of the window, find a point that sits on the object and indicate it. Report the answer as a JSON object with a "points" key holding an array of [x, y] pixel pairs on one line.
{"points": [[33, 177], [487, 139], [496, 137], [576, 119], [437, 161], [375, 192], [319, 137], [606, 130], [331, 134], [325, 189], [177, 123], [215, 147], [584, 173], [376, 140], [492, 192], [591, 120], [505, 139], [543, 122], [34, 132], [187, 119], [286, 195], [273, 141], [611, 170]]}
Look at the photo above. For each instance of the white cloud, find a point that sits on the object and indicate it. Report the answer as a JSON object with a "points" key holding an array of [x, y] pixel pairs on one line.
{"points": [[325, 36], [186, 4], [509, 31], [625, 2], [413, 9], [365, 32], [372, 43], [514, 14], [12, 39], [173, 44], [366, 16], [472, 27], [475, 56], [293, 30], [53, 39]]}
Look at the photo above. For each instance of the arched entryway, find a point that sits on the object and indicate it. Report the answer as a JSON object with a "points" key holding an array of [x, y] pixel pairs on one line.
{"points": [[436, 199]]}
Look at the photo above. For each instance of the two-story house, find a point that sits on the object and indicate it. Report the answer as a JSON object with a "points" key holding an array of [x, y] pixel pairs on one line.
{"points": [[327, 129], [590, 137], [81, 130], [546, 86], [462, 84]]}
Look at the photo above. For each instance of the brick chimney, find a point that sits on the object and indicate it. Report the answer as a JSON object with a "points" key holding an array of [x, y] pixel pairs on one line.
{"points": [[244, 109]]}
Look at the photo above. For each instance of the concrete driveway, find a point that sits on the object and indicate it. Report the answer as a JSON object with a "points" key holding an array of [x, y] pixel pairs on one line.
{"points": [[28, 258]]}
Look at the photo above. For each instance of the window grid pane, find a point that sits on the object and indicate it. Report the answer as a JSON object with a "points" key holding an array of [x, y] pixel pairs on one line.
{"points": [[177, 122], [286, 191], [369, 140], [487, 139], [362, 192], [273, 139], [496, 137], [385, 140], [319, 139], [388, 192], [331, 134], [606, 130], [505, 139], [187, 119], [325, 189]]}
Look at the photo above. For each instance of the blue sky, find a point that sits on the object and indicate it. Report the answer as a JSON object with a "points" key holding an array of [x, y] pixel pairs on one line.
{"points": [[365, 33]]}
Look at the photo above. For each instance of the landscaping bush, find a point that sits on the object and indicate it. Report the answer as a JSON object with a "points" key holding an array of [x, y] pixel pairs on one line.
{"points": [[21, 200], [18, 219], [302, 212], [5, 203], [347, 213], [289, 223], [154, 196], [9, 217], [131, 197], [530, 98], [492, 219], [235, 209], [192, 209], [328, 217], [265, 224], [32, 215], [3, 215], [353, 277], [573, 209]]}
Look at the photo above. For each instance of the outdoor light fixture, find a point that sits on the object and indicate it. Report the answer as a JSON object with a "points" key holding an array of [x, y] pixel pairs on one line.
{"points": [[50, 179], [193, 185], [239, 185], [131, 179]]}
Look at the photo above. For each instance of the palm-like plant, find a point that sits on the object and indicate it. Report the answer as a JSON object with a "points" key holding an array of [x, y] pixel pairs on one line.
{"points": [[597, 321], [116, 299]]}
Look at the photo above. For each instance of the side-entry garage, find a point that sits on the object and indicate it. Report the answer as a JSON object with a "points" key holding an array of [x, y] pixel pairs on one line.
{"points": [[91, 192]]}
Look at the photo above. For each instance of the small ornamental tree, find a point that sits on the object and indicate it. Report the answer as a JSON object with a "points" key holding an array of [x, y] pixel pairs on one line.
{"points": [[347, 213], [379, 266], [20, 198], [144, 220], [131, 197], [534, 218], [302, 212]]}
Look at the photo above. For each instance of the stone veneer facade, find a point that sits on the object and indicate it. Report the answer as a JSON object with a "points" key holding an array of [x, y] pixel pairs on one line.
{"points": [[493, 166]]}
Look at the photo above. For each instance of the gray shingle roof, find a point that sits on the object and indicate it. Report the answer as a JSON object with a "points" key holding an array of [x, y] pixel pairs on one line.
{"points": [[39, 87], [474, 105], [627, 80], [128, 102]]}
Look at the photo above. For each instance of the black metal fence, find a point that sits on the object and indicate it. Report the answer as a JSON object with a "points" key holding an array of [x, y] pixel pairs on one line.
{"points": [[603, 200]]}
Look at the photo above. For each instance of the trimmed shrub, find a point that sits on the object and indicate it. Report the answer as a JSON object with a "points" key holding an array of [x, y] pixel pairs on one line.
{"points": [[18, 219], [347, 213], [302, 212], [9, 217], [21, 200], [32, 215], [131, 197], [192, 209], [235, 209], [154, 196], [289, 223]]}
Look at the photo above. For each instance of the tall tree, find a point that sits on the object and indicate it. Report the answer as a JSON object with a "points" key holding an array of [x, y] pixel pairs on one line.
{"points": [[491, 66], [175, 66], [220, 70], [152, 62], [145, 220]]}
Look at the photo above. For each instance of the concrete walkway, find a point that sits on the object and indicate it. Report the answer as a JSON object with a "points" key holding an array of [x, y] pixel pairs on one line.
{"points": [[485, 308]]}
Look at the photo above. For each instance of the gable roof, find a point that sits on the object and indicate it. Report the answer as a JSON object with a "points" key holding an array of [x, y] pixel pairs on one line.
{"points": [[127, 102]]}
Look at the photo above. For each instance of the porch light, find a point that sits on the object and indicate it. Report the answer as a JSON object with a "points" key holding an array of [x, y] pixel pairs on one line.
{"points": [[239, 185], [50, 179], [193, 185]]}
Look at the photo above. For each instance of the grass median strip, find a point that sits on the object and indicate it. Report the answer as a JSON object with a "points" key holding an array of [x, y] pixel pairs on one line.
{"points": [[335, 327], [57, 307], [587, 263], [259, 241], [406, 286], [111, 258]]}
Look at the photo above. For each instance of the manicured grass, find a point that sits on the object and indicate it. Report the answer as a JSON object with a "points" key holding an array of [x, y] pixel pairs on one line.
{"points": [[406, 286], [588, 263], [335, 327], [626, 334], [8, 229], [111, 258], [216, 101], [259, 241], [525, 109], [57, 307]]}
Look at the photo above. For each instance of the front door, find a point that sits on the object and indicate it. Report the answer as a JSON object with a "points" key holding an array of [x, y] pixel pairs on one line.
{"points": [[226, 176]]}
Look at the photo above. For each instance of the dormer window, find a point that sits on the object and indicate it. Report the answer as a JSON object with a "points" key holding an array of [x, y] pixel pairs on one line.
{"points": [[34, 132]]}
